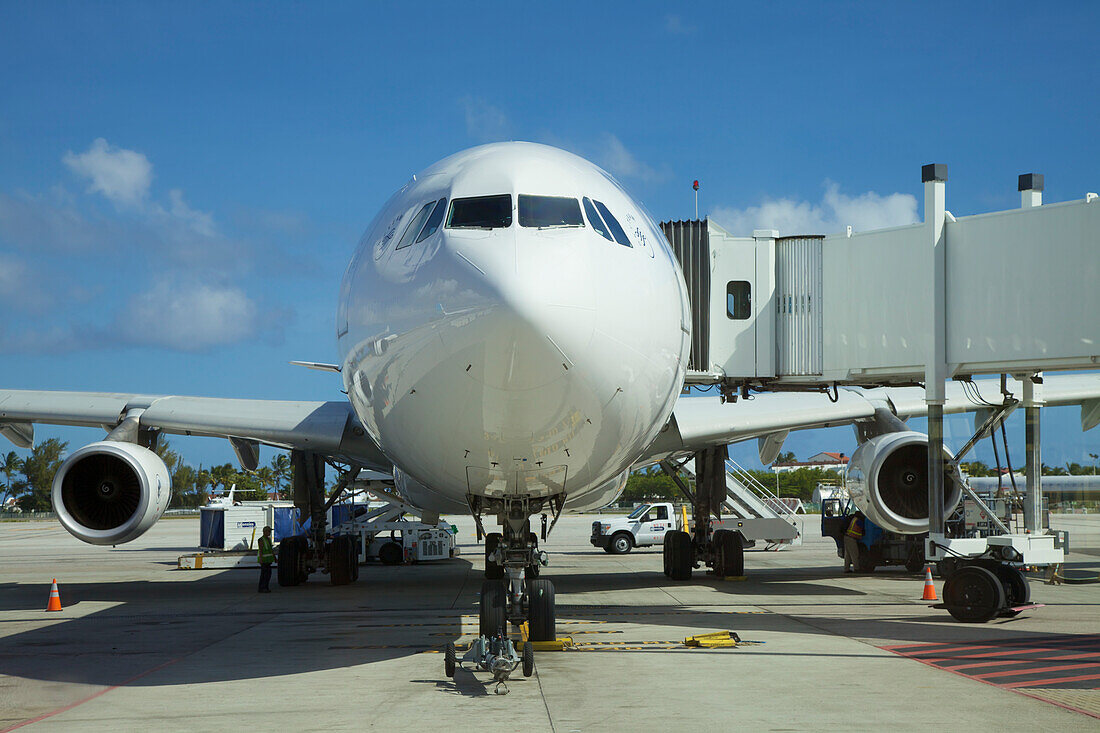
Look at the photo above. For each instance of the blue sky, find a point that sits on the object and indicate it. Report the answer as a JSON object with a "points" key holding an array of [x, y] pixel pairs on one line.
{"points": [[181, 185]]}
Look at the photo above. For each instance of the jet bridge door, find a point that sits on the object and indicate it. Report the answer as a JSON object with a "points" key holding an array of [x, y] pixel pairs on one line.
{"points": [[742, 304]]}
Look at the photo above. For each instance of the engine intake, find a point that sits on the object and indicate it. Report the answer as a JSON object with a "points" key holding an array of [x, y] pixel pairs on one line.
{"points": [[888, 481], [108, 493]]}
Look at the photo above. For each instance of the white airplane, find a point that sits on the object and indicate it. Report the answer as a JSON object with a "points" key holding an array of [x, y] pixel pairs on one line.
{"points": [[513, 332]]}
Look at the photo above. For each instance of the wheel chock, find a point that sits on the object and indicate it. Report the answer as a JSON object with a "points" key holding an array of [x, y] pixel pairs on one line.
{"points": [[736, 577], [714, 640], [560, 644]]}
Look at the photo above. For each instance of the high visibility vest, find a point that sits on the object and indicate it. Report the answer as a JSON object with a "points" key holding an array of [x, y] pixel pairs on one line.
{"points": [[855, 528], [265, 553]]}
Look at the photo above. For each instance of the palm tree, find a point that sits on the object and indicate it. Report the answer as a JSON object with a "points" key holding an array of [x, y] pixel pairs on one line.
{"points": [[280, 467], [10, 465]]}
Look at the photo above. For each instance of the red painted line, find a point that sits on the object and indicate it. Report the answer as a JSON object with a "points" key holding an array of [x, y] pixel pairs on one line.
{"points": [[1033, 670], [1003, 652], [1055, 681], [93, 696], [1002, 662]]}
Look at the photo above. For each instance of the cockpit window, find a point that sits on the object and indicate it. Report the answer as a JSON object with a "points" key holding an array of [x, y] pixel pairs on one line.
{"points": [[433, 222], [415, 225], [481, 212], [613, 225], [595, 220], [549, 211]]}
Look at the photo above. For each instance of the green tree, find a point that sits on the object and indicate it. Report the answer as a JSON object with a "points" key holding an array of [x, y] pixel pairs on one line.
{"points": [[10, 465], [39, 469], [280, 467], [787, 457]]}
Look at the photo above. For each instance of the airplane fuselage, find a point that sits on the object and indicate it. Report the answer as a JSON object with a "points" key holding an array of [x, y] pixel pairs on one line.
{"points": [[513, 324]]}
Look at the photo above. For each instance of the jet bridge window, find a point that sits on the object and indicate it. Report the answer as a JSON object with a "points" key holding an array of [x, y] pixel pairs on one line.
{"points": [[739, 300], [415, 225], [481, 212], [549, 211], [613, 225], [595, 220]]}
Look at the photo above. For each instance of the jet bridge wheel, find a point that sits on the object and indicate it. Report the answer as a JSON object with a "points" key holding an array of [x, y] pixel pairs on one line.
{"points": [[493, 614], [973, 594], [729, 554], [679, 556], [541, 621], [493, 571], [1016, 588]]}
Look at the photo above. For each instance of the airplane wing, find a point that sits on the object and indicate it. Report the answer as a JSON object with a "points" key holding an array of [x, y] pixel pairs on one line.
{"points": [[328, 428], [701, 421]]}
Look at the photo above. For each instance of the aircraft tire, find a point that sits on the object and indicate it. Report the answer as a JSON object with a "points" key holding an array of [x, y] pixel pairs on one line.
{"points": [[450, 658], [678, 555], [340, 558], [493, 571], [528, 659], [541, 612], [729, 553], [973, 594], [493, 612], [288, 562]]}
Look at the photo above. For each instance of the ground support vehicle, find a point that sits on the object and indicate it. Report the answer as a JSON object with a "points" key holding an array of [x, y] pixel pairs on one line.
{"points": [[497, 654], [646, 525], [877, 546], [383, 532]]}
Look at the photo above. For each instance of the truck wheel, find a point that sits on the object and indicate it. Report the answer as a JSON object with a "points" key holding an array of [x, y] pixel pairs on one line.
{"points": [[390, 554], [493, 616], [288, 562], [528, 659], [620, 544], [339, 560], [493, 571], [973, 594], [450, 658], [1016, 588], [541, 621], [729, 560], [679, 555]]}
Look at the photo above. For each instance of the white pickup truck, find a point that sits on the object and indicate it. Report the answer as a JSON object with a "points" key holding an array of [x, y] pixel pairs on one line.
{"points": [[644, 526]]}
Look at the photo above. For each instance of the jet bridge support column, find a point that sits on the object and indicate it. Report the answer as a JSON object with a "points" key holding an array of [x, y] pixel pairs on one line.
{"points": [[934, 177], [1031, 195]]}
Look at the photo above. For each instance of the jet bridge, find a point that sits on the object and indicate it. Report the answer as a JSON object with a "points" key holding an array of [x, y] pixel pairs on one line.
{"points": [[1008, 292]]}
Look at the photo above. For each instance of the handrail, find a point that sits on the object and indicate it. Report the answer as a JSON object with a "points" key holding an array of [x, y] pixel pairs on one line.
{"points": [[762, 492]]}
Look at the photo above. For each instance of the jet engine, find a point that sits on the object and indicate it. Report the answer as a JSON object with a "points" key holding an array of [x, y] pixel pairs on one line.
{"points": [[888, 481], [111, 492]]}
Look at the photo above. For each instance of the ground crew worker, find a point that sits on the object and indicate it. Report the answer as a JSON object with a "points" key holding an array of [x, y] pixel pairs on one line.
{"points": [[265, 553], [852, 537]]}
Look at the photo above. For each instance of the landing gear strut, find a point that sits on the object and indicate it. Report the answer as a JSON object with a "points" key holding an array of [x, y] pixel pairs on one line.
{"points": [[512, 591], [722, 550]]}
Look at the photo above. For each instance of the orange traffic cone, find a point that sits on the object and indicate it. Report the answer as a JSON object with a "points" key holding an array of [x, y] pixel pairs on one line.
{"points": [[55, 598], [929, 586]]}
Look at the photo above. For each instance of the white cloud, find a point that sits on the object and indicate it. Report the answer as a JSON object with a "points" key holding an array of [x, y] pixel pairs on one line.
{"points": [[675, 25], [622, 163], [484, 122], [12, 273], [188, 316], [123, 176], [834, 213]]}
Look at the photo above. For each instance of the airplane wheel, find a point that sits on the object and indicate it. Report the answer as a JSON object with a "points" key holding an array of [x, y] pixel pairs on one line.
{"points": [[541, 622], [493, 616], [534, 568], [390, 554], [341, 555], [449, 659], [620, 544], [729, 554], [288, 562], [678, 555], [973, 594], [528, 659], [493, 571], [355, 559]]}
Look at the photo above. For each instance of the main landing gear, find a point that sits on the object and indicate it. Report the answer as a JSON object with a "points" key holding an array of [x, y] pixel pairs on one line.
{"points": [[722, 550], [301, 555], [512, 591]]}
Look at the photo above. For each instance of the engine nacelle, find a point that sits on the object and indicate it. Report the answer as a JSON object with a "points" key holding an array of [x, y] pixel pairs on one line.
{"points": [[888, 481], [110, 492]]}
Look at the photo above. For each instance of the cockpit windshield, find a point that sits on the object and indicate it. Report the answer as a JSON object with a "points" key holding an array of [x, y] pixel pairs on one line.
{"points": [[549, 211], [638, 512], [481, 212]]}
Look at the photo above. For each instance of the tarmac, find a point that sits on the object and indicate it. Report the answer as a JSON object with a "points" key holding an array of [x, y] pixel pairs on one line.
{"points": [[141, 645]]}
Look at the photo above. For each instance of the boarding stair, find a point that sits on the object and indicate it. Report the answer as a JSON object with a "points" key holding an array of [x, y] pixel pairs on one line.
{"points": [[760, 510]]}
